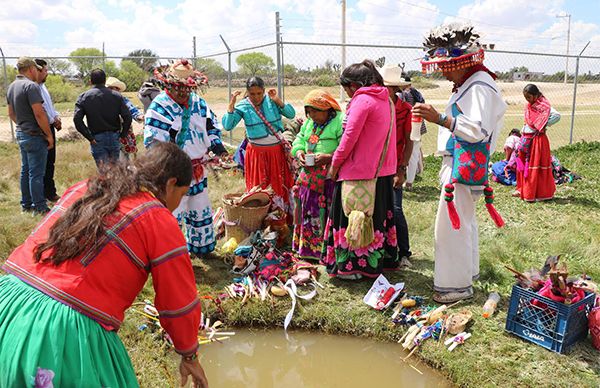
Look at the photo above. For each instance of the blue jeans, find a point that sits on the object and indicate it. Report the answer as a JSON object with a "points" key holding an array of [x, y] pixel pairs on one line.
{"points": [[106, 149], [34, 152], [401, 226]]}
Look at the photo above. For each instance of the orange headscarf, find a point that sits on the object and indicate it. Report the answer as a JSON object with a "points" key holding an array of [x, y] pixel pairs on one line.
{"points": [[321, 100]]}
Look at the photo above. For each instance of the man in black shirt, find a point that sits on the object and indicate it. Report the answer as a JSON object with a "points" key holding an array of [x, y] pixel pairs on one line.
{"points": [[107, 118]]}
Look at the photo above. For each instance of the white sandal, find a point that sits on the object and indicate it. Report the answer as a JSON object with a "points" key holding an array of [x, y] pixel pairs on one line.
{"points": [[451, 297]]}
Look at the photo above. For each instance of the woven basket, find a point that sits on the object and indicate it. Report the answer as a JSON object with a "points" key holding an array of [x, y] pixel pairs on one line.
{"points": [[246, 219]]}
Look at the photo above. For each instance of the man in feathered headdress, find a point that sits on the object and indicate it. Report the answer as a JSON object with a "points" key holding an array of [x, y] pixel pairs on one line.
{"points": [[179, 115], [467, 136]]}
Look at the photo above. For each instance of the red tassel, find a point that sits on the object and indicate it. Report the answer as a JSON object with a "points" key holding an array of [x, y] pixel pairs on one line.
{"points": [[453, 215], [495, 215]]}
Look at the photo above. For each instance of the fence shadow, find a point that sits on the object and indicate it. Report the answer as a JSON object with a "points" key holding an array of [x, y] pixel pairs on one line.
{"points": [[420, 193], [581, 201]]}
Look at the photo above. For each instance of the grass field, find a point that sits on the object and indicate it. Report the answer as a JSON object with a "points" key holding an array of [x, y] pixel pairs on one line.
{"points": [[568, 225]]}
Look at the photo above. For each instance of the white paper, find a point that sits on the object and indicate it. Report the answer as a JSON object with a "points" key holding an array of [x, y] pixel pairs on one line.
{"points": [[379, 287]]}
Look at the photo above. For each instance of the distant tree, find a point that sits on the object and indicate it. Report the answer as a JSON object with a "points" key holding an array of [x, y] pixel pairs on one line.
{"points": [[85, 65], [132, 75], [11, 74], [59, 67], [211, 67], [110, 68], [146, 63], [289, 70], [252, 64]]}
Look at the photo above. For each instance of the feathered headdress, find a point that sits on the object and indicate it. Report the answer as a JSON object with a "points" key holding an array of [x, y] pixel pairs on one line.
{"points": [[450, 47], [180, 75]]}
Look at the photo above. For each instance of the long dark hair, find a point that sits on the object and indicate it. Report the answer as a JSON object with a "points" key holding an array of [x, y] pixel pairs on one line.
{"points": [[361, 74], [532, 89], [84, 222]]}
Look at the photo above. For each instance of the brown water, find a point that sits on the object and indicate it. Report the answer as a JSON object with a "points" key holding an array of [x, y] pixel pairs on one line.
{"points": [[265, 359]]}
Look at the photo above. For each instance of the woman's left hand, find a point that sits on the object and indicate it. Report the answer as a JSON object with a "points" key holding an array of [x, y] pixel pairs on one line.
{"points": [[272, 93], [426, 111]]}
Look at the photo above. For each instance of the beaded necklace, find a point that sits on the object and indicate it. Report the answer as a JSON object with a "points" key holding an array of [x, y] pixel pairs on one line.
{"points": [[316, 136]]}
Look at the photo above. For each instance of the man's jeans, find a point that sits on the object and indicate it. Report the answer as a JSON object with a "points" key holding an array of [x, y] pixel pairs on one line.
{"points": [[106, 149], [401, 226], [34, 152], [49, 184]]}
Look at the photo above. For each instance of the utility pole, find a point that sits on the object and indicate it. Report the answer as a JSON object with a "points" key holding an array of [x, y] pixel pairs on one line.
{"points": [[568, 16], [194, 51], [103, 58], [342, 93], [278, 47]]}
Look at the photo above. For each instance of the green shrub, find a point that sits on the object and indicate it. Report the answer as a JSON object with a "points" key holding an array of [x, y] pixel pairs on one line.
{"points": [[325, 80], [61, 90]]}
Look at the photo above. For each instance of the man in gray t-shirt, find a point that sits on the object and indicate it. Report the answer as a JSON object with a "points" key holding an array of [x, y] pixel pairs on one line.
{"points": [[33, 134]]}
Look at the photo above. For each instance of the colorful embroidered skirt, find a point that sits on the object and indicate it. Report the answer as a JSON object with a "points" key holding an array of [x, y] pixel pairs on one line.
{"points": [[128, 143], [539, 184], [267, 165], [380, 255], [44, 342], [312, 209]]}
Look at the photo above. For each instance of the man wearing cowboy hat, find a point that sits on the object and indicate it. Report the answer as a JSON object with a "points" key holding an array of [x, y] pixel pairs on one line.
{"points": [[33, 133], [392, 79], [107, 118], [128, 143]]}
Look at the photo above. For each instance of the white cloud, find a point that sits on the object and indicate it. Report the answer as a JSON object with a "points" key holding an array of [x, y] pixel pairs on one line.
{"points": [[168, 30]]}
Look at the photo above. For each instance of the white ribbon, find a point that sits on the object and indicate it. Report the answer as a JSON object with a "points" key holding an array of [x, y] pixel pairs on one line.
{"points": [[291, 289]]}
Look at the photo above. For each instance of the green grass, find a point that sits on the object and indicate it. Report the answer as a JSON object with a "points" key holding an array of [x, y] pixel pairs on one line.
{"points": [[569, 225]]}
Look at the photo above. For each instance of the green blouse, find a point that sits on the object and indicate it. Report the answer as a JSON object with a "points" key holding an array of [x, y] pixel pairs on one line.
{"points": [[328, 140]]}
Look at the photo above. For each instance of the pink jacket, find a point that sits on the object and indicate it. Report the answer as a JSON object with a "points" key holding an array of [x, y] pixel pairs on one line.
{"points": [[366, 127]]}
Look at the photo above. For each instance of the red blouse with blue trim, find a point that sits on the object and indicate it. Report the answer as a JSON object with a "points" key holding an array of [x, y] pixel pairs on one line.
{"points": [[142, 237]]}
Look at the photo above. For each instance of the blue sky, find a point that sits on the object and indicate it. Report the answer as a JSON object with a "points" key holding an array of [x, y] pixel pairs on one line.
{"points": [[56, 27]]}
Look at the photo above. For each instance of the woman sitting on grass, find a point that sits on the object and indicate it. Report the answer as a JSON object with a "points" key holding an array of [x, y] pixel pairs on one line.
{"points": [[535, 181], [313, 147], [71, 281], [265, 161]]}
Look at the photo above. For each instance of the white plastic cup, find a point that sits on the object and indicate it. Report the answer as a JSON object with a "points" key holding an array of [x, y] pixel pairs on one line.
{"points": [[309, 160], [415, 130]]}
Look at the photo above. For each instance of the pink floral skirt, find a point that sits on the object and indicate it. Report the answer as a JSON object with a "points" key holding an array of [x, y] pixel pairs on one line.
{"points": [[370, 261]]}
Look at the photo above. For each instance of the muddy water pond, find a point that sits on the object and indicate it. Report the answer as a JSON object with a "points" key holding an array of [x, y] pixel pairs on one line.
{"points": [[265, 359]]}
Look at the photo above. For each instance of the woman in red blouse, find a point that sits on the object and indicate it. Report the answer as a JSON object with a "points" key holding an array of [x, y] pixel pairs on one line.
{"points": [[71, 281]]}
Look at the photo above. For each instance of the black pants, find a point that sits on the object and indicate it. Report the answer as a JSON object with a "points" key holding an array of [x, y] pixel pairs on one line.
{"points": [[49, 185], [401, 226]]}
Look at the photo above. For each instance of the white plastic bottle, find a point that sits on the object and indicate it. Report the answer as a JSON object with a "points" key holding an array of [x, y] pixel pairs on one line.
{"points": [[490, 304]]}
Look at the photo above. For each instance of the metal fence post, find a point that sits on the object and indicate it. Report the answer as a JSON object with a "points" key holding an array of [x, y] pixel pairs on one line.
{"points": [[12, 129], [278, 49], [575, 92], [228, 79]]}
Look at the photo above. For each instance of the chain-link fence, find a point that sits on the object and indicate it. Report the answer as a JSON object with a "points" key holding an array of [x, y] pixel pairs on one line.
{"points": [[303, 66], [317, 65]]}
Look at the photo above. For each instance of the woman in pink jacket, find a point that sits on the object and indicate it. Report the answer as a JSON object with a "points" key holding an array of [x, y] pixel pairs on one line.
{"points": [[360, 234]]}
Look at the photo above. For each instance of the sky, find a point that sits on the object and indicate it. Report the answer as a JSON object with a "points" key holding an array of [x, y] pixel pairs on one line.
{"points": [[56, 27]]}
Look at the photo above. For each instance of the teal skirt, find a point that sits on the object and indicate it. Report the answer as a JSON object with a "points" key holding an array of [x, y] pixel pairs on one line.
{"points": [[43, 342]]}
